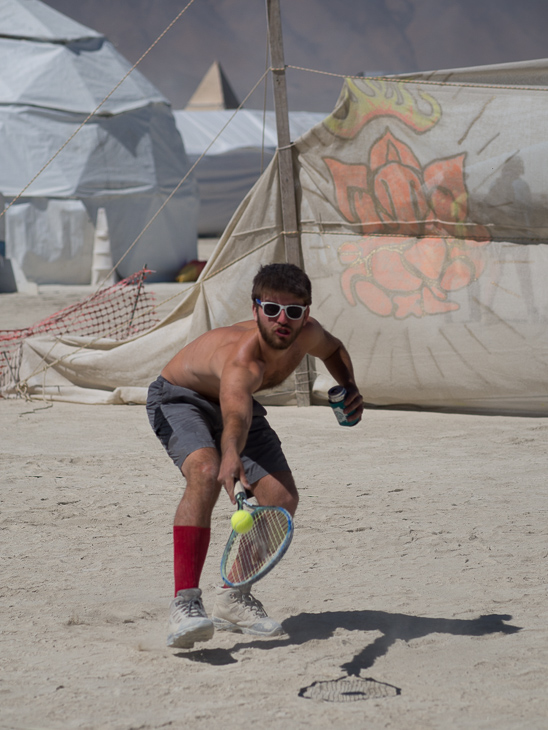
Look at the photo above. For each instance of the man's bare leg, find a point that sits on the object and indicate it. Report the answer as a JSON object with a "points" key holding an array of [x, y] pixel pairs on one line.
{"points": [[191, 531], [200, 470], [277, 490]]}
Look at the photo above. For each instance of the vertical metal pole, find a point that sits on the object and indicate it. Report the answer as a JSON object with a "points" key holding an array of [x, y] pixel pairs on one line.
{"points": [[292, 238]]}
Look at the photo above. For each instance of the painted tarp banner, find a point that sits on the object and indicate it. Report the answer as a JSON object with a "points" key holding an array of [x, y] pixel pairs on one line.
{"points": [[422, 208]]}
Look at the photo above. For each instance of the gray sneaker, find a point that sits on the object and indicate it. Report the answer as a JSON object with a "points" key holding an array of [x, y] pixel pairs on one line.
{"points": [[188, 621], [237, 610]]}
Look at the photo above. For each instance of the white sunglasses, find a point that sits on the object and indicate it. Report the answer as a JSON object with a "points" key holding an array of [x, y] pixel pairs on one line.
{"points": [[273, 309]]}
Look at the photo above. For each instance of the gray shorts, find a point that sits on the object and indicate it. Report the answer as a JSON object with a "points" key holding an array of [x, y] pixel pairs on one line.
{"points": [[185, 421]]}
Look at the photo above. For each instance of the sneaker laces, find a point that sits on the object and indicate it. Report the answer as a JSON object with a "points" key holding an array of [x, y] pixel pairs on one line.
{"points": [[253, 605], [189, 608]]}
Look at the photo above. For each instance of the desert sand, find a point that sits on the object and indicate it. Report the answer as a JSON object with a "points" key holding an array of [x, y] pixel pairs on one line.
{"points": [[419, 559]]}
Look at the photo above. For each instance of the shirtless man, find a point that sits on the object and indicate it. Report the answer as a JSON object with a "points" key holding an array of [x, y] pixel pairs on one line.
{"points": [[202, 409]]}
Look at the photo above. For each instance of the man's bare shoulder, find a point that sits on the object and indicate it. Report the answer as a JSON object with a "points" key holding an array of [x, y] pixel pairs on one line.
{"points": [[199, 364], [248, 324], [312, 331], [317, 341], [230, 333], [227, 343]]}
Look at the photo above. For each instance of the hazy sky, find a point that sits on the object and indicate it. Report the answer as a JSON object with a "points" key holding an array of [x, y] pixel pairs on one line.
{"points": [[336, 36]]}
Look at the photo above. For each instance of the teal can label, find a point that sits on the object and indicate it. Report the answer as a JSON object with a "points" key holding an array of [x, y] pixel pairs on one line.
{"points": [[336, 396]]}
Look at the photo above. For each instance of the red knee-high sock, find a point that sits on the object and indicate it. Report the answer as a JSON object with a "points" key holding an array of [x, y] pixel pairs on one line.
{"points": [[190, 546]]}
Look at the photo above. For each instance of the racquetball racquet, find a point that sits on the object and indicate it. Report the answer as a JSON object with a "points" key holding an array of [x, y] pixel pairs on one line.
{"points": [[249, 557]]}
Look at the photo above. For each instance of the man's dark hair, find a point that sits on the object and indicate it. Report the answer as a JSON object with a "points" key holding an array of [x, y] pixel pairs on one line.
{"points": [[282, 278]]}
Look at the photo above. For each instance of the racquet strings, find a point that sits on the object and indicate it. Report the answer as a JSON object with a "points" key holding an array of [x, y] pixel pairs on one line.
{"points": [[249, 554]]}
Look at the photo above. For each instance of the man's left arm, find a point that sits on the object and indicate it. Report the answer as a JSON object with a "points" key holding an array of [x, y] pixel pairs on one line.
{"points": [[337, 360]]}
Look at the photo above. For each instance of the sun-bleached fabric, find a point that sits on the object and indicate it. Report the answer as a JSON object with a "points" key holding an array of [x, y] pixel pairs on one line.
{"points": [[422, 208]]}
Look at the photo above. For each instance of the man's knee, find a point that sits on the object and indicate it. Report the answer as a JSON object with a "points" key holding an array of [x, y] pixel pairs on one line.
{"points": [[278, 490], [290, 502], [202, 466]]}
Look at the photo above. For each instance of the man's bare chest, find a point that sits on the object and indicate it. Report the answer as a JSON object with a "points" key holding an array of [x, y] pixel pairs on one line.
{"points": [[276, 373]]}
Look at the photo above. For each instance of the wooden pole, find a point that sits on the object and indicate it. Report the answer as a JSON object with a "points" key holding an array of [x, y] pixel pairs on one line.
{"points": [[292, 238], [285, 159]]}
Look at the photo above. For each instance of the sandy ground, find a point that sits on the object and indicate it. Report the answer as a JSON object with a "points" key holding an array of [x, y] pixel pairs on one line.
{"points": [[419, 559]]}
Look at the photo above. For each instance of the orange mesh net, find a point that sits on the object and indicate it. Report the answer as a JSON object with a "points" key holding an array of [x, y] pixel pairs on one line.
{"points": [[119, 312]]}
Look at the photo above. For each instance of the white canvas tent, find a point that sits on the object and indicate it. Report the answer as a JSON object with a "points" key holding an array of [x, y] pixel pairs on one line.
{"points": [[244, 145], [422, 209], [127, 159]]}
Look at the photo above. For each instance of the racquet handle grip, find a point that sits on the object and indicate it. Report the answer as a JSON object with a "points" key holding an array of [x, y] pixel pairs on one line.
{"points": [[239, 489], [239, 494]]}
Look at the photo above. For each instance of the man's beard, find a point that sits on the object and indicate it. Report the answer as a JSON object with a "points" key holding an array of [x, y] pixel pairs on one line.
{"points": [[275, 342]]}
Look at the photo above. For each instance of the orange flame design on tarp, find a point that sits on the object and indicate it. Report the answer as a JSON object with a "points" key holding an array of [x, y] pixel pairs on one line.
{"points": [[372, 98], [395, 274]]}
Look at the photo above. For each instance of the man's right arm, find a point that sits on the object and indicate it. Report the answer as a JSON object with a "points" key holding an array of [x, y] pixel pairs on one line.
{"points": [[238, 383]]}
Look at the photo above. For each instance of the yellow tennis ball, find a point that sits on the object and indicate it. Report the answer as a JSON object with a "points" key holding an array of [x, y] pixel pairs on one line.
{"points": [[241, 521]]}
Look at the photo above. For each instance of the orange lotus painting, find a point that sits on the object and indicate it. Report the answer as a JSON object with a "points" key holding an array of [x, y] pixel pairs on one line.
{"points": [[418, 245]]}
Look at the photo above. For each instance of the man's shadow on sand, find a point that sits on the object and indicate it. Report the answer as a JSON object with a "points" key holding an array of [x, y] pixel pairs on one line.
{"points": [[322, 626]]}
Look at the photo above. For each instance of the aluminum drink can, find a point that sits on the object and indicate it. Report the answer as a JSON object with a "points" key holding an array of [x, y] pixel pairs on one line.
{"points": [[336, 396]]}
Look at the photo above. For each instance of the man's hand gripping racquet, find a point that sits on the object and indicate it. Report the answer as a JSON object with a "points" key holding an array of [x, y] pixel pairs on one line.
{"points": [[253, 551]]}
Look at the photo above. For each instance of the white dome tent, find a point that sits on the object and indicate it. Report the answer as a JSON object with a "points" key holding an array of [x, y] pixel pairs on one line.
{"points": [[127, 158]]}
